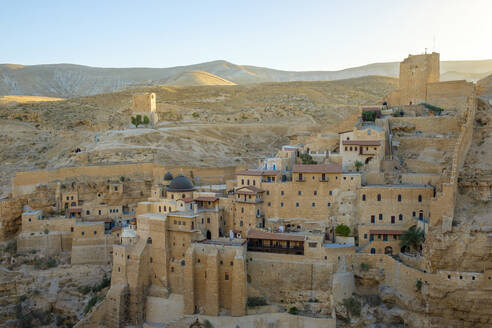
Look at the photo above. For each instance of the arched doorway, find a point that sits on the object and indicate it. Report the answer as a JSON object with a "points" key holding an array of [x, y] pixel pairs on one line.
{"points": [[149, 240], [373, 250], [209, 234], [388, 250], [368, 160]]}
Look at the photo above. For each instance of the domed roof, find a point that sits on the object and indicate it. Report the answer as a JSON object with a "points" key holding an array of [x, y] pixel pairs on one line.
{"points": [[180, 183], [168, 176]]}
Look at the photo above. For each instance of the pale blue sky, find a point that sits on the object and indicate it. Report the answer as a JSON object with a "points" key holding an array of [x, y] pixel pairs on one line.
{"points": [[290, 35]]}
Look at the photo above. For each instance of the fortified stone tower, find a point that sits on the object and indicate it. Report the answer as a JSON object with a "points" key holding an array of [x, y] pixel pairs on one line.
{"points": [[415, 72], [144, 105]]}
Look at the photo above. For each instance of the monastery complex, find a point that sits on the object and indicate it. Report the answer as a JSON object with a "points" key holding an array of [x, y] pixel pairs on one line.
{"points": [[204, 243]]}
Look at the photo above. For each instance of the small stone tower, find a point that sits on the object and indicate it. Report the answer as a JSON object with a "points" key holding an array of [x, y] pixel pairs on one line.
{"points": [[415, 72], [144, 104]]}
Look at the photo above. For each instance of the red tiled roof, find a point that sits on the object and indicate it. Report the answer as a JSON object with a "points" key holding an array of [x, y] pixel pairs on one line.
{"points": [[259, 234], [258, 172], [249, 190], [206, 199], [362, 142], [386, 232], [187, 199], [317, 168]]}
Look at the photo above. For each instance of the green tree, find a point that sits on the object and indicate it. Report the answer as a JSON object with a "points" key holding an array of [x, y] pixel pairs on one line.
{"points": [[342, 230], [369, 115], [137, 120], [412, 239], [146, 120], [358, 165], [307, 159]]}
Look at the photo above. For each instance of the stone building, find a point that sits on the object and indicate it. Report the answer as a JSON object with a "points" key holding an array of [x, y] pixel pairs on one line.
{"points": [[144, 104]]}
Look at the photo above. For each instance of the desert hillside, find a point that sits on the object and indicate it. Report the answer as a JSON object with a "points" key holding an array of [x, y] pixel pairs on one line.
{"points": [[69, 81], [200, 125]]}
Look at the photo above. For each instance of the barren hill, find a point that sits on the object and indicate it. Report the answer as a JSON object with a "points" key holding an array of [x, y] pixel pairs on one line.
{"points": [[201, 125], [196, 78], [68, 81]]}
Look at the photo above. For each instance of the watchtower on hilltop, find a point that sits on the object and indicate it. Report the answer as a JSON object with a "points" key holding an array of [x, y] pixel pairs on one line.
{"points": [[416, 72]]}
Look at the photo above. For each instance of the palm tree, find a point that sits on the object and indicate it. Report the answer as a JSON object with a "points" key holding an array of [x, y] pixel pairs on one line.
{"points": [[412, 239]]}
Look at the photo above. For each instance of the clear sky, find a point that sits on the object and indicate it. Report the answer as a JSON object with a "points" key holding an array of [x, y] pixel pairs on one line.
{"points": [[283, 34]]}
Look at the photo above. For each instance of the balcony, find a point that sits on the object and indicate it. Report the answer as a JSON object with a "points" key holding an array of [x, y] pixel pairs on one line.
{"points": [[276, 249]]}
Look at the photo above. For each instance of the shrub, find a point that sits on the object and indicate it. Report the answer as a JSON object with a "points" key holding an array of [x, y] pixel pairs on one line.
{"points": [[418, 285], [105, 282], [342, 230], [45, 263], [353, 306], [195, 115], [46, 231], [307, 159], [358, 165], [256, 301], [437, 110], [93, 301], [84, 289], [293, 310], [11, 247], [370, 116], [146, 120], [207, 324], [364, 266]]}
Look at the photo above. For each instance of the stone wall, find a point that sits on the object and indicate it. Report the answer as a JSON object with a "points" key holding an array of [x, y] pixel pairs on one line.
{"points": [[415, 73], [25, 182], [10, 217], [425, 124], [451, 95]]}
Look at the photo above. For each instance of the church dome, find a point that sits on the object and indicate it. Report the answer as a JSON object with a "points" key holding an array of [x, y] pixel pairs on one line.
{"points": [[168, 176], [180, 183]]}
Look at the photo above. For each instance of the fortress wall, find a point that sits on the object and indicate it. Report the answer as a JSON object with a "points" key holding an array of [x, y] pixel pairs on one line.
{"points": [[442, 206], [25, 182], [415, 165], [48, 244], [412, 143], [451, 95], [422, 178], [426, 124], [403, 278], [90, 245], [305, 279]]}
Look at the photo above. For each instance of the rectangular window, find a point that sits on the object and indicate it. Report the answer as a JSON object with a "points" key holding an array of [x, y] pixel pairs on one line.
{"points": [[329, 204], [313, 204], [299, 193], [312, 245], [315, 193], [364, 198], [226, 276], [281, 204], [373, 219], [297, 204], [392, 219], [380, 217], [365, 236]]}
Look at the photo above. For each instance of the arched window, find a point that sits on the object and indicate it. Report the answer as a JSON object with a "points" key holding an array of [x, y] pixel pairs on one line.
{"points": [[379, 197], [399, 198], [400, 217], [420, 198], [149, 240]]}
